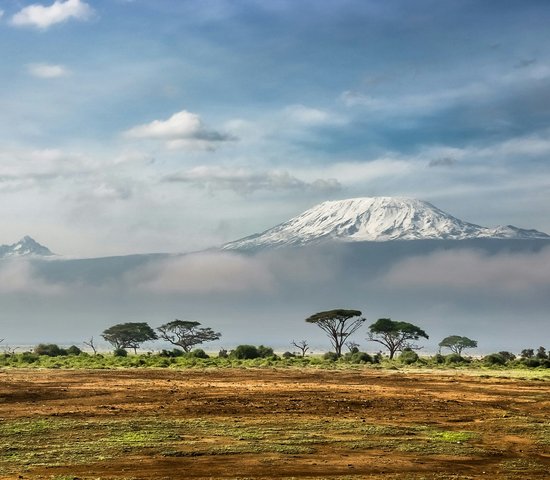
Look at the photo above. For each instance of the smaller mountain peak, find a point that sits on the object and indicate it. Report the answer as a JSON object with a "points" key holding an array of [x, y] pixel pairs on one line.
{"points": [[27, 246]]}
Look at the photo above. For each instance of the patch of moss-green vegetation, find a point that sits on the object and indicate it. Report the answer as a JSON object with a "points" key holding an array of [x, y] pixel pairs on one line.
{"points": [[53, 441]]}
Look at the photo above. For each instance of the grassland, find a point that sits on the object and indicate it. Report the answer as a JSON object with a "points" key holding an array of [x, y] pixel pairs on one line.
{"points": [[284, 422]]}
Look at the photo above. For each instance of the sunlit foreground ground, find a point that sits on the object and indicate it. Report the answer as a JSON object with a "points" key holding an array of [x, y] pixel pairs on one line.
{"points": [[272, 423]]}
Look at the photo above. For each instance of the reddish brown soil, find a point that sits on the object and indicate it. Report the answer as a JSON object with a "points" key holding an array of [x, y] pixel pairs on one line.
{"points": [[503, 414]]}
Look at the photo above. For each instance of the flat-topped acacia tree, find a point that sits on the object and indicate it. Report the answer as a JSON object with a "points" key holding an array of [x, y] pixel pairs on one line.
{"points": [[186, 334], [129, 335], [456, 343], [395, 336], [338, 324]]}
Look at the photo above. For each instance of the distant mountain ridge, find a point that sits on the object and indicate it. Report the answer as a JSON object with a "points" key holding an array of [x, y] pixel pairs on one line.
{"points": [[375, 219], [24, 248]]}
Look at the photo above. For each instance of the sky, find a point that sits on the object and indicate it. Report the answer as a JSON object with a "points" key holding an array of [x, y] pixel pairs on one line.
{"points": [[136, 126]]}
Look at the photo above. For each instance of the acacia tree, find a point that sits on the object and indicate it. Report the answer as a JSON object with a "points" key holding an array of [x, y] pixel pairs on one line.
{"points": [[129, 335], [338, 324], [395, 336], [456, 343], [186, 334]]}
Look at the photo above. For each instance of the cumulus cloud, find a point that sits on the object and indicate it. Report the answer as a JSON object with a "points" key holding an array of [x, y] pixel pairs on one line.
{"points": [[182, 130], [473, 271], [204, 273], [243, 180], [43, 17], [47, 70]]}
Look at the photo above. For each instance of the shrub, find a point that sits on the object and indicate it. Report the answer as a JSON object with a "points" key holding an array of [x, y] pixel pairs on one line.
{"points": [[120, 352], [289, 355], [73, 350], [198, 353], [29, 357], [360, 357], [223, 353], [49, 349], [508, 356], [438, 358], [331, 356], [245, 352], [265, 352], [176, 352], [494, 359], [408, 357], [531, 362], [454, 358]]}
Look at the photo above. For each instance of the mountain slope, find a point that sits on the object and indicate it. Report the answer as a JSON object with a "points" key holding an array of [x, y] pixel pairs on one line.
{"points": [[375, 219], [24, 247]]}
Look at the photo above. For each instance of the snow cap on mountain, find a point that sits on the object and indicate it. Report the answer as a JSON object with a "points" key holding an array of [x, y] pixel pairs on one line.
{"points": [[375, 219]]}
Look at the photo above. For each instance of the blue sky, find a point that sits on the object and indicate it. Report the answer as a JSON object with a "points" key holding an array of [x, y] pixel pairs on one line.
{"points": [[155, 125]]}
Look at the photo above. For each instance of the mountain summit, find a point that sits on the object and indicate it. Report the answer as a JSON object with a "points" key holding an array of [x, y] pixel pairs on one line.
{"points": [[23, 248], [375, 219]]}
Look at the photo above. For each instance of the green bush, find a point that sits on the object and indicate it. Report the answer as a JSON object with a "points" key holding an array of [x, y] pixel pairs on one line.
{"points": [[245, 352], [73, 350], [408, 357], [331, 356], [223, 353], [265, 352], [120, 352], [174, 353], [29, 357], [454, 358], [50, 350], [438, 358], [198, 353], [355, 356], [508, 356], [494, 359], [531, 362]]}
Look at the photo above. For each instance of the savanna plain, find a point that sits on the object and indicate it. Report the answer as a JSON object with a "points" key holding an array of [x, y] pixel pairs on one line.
{"points": [[314, 423]]}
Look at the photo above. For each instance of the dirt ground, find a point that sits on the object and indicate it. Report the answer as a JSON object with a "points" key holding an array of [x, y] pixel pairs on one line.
{"points": [[271, 423]]}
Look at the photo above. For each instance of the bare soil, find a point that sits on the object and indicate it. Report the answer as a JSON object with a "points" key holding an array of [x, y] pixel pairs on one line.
{"points": [[271, 423]]}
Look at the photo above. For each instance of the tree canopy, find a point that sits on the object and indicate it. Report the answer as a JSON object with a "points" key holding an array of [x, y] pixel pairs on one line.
{"points": [[338, 324], [456, 343], [395, 336], [129, 335], [186, 334]]}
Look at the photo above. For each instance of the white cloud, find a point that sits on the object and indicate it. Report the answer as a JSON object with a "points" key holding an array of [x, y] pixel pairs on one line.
{"points": [[244, 180], [473, 270], [181, 131], [311, 116], [22, 163], [18, 276], [43, 17], [47, 70], [203, 274]]}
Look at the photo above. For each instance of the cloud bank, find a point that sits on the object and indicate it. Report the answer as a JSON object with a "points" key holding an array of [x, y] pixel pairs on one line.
{"points": [[245, 181]]}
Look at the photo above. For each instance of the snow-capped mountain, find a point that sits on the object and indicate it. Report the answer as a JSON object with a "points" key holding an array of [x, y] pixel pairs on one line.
{"points": [[375, 219], [24, 247]]}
